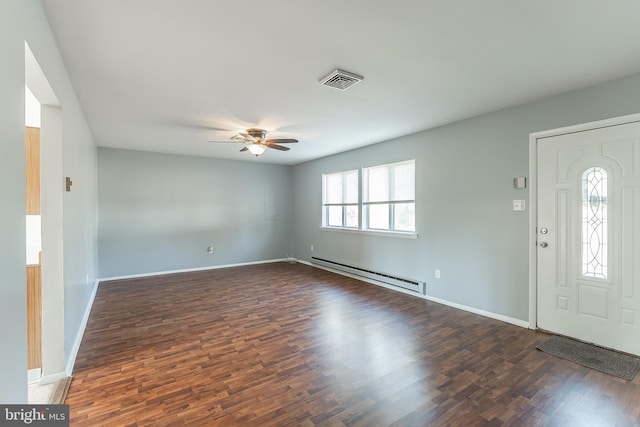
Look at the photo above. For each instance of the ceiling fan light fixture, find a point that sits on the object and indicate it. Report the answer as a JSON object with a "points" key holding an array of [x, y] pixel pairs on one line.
{"points": [[256, 149], [254, 141]]}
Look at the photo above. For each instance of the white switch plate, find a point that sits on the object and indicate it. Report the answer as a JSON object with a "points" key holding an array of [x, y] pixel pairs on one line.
{"points": [[519, 205]]}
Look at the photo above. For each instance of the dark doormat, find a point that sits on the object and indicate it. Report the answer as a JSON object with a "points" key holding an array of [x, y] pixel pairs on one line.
{"points": [[607, 361]]}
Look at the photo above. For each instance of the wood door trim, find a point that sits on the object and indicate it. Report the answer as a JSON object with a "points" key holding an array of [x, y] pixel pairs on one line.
{"points": [[33, 170], [34, 271], [34, 317]]}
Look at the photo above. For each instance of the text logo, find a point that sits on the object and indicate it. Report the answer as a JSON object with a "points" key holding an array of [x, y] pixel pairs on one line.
{"points": [[34, 415]]}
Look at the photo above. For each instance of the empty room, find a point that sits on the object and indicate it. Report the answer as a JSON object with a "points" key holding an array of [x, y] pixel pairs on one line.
{"points": [[420, 213]]}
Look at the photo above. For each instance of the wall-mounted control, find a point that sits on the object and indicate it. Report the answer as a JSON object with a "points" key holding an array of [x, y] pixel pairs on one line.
{"points": [[520, 182], [519, 205]]}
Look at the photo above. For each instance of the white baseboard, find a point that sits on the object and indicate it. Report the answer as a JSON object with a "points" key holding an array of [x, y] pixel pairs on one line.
{"points": [[502, 318], [188, 270], [34, 375], [53, 378], [71, 359]]}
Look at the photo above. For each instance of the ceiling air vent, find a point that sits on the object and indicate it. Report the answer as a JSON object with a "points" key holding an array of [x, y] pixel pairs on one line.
{"points": [[341, 79]]}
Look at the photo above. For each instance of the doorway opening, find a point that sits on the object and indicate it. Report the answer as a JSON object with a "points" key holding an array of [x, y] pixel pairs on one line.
{"points": [[51, 323], [33, 237]]}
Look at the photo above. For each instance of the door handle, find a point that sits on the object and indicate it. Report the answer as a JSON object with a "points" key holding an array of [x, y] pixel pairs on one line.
{"points": [[543, 244]]}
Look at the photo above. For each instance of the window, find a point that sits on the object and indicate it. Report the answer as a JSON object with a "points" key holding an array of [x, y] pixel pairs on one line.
{"points": [[594, 223], [385, 201], [340, 199], [389, 197]]}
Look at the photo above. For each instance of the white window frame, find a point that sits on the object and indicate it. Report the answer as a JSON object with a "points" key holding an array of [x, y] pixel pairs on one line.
{"points": [[392, 202], [362, 205], [326, 205]]}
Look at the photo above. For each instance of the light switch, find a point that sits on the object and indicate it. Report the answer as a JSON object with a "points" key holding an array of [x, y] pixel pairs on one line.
{"points": [[519, 205]]}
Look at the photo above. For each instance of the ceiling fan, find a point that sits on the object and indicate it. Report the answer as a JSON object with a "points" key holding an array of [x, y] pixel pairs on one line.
{"points": [[254, 141]]}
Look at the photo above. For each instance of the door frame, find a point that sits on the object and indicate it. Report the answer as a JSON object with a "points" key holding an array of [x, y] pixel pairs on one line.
{"points": [[51, 199], [533, 197]]}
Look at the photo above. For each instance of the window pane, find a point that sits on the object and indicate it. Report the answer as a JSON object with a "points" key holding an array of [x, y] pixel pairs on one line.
{"points": [[353, 215], [594, 223], [335, 216], [333, 191], [384, 184], [404, 218], [379, 216], [351, 184], [378, 184], [404, 182]]}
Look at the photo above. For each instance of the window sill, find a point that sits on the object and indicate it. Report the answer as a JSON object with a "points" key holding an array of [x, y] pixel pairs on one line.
{"points": [[398, 234]]}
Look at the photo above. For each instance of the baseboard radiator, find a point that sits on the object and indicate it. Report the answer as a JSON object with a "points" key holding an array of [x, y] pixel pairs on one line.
{"points": [[416, 286]]}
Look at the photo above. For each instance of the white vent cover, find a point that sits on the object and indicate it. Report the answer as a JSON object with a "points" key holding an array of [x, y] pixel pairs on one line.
{"points": [[341, 79]]}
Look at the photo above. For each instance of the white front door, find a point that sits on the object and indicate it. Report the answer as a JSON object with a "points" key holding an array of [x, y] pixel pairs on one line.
{"points": [[588, 236]]}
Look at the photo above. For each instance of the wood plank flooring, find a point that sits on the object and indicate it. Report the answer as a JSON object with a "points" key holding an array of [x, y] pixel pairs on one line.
{"points": [[291, 345]]}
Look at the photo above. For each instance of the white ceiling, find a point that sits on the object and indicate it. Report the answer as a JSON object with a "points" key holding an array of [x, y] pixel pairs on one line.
{"points": [[170, 75]]}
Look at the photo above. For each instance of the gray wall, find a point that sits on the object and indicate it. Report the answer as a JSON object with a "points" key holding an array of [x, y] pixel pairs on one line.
{"points": [[25, 20], [466, 225], [160, 212], [13, 328], [464, 194]]}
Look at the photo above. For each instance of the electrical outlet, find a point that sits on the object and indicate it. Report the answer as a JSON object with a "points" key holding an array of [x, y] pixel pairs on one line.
{"points": [[311, 248], [210, 250], [437, 273]]}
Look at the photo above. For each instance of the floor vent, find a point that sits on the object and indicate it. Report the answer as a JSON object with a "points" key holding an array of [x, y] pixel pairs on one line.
{"points": [[416, 286], [340, 79]]}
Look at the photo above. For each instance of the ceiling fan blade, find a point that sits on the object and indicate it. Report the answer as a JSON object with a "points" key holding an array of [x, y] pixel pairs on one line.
{"points": [[196, 126], [277, 147], [281, 141], [243, 137], [255, 136]]}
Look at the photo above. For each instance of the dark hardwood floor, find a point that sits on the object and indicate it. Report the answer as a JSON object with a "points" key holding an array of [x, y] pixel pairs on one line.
{"points": [[291, 345]]}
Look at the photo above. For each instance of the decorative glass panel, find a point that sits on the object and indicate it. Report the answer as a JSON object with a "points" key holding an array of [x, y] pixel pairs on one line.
{"points": [[594, 223]]}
